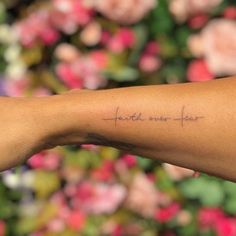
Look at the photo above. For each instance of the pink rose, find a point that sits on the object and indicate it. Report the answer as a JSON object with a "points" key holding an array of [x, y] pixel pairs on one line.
{"points": [[17, 88], [68, 15], [199, 71], [98, 198], [2, 228], [226, 227], [91, 34], [129, 159], [149, 63], [216, 43], [176, 172], [100, 58], [123, 11], [152, 48], [105, 172], [167, 213], [208, 217], [45, 160], [76, 220], [198, 21], [143, 197], [36, 27], [183, 9], [124, 38], [184, 217], [67, 52], [68, 76], [56, 225], [230, 12]]}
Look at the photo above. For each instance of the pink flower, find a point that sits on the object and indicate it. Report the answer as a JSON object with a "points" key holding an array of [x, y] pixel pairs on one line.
{"points": [[115, 45], [67, 53], [183, 9], [45, 160], [184, 217], [56, 225], [199, 71], [41, 92], [106, 36], [72, 174], [226, 227], [67, 75], [89, 70], [98, 198], [91, 147], [105, 172], [208, 217], [123, 11], [219, 51], [166, 214], [230, 12], [124, 38], [17, 88], [49, 36], [91, 34], [149, 63], [129, 160], [118, 231], [198, 21], [36, 27], [76, 220], [100, 58], [152, 48], [2, 228], [143, 197], [195, 45], [68, 15], [176, 172]]}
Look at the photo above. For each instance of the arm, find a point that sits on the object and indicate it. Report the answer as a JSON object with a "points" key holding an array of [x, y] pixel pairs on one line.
{"points": [[192, 125]]}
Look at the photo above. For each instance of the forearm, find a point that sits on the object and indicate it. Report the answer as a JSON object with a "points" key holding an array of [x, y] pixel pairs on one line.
{"points": [[192, 125]]}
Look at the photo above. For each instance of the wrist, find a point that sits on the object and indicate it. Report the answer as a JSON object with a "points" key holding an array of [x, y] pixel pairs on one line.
{"points": [[63, 118]]}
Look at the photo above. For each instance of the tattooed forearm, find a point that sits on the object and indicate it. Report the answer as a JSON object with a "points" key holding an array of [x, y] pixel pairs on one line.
{"points": [[98, 139], [182, 117]]}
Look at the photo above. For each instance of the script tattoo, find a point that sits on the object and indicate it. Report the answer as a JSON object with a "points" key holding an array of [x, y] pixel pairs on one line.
{"points": [[182, 117], [98, 139]]}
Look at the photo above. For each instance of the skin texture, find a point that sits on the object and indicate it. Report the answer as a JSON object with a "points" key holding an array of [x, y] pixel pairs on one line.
{"points": [[192, 125]]}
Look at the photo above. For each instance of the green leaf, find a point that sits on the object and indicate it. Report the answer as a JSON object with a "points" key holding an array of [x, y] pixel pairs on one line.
{"points": [[2, 13], [213, 194], [208, 192], [193, 188], [141, 38], [46, 183], [122, 74], [230, 188], [144, 162], [187, 230], [161, 21], [230, 206], [109, 153]]}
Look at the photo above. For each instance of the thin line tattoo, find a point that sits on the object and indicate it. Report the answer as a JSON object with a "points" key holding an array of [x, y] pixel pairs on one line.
{"points": [[139, 117], [184, 117]]}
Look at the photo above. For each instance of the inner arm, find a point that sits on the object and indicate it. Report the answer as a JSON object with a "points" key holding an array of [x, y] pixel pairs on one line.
{"points": [[191, 125]]}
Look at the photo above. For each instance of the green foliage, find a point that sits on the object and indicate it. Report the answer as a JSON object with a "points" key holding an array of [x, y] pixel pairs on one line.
{"points": [[209, 192]]}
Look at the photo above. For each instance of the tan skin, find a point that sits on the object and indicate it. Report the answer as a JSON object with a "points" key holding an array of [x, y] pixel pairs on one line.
{"points": [[191, 125]]}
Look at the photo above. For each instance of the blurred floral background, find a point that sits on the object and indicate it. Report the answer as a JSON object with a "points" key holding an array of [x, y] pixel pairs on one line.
{"points": [[50, 47]]}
